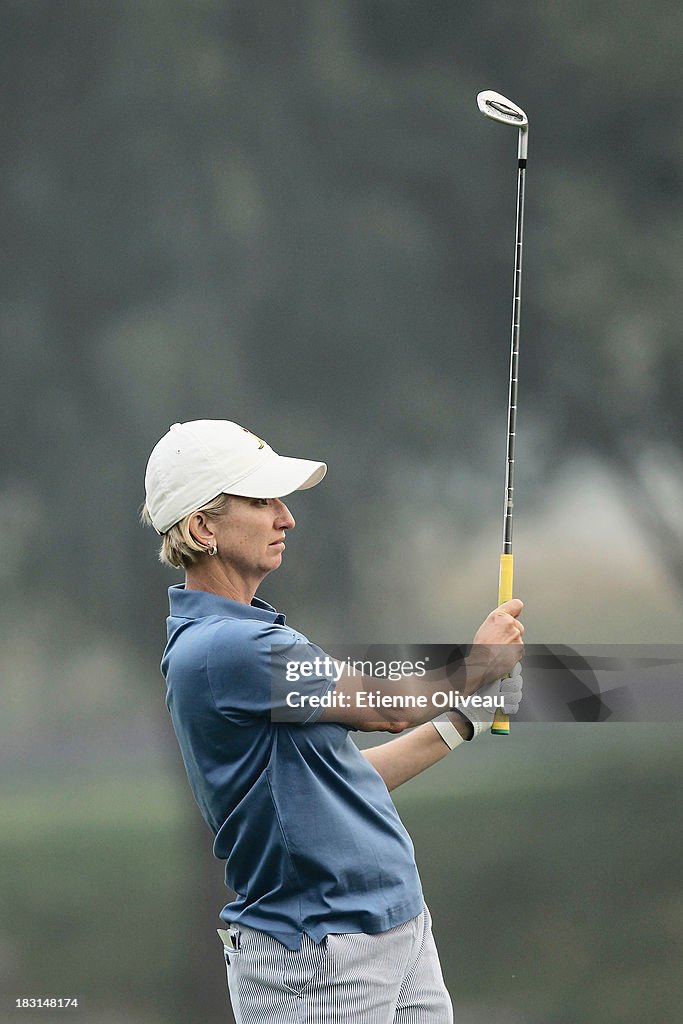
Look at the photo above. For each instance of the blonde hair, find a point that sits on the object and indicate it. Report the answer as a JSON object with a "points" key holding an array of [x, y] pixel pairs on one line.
{"points": [[178, 548]]}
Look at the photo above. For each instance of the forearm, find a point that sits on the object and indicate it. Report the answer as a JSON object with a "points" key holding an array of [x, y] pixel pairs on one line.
{"points": [[405, 757], [380, 705]]}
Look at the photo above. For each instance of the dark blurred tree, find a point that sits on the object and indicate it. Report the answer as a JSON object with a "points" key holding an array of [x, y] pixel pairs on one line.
{"points": [[295, 213]]}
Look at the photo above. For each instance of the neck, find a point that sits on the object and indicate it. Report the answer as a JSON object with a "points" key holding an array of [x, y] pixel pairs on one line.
{"points": [[212, 575]]}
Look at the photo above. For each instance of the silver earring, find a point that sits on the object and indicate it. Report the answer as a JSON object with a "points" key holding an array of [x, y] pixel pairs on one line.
{"points": [[213, 550]]}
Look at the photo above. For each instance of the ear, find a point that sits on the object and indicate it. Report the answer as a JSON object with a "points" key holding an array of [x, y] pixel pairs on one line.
{"points": [[201, 529]]}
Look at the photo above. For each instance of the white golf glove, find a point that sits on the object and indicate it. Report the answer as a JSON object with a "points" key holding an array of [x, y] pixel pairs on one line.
{"points": [[510, 688]]}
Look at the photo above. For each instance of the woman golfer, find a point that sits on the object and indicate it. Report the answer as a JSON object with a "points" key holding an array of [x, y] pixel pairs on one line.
{"points": [[328, 924]]}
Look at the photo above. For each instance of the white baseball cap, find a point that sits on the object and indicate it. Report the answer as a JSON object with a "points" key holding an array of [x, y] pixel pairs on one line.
{"points": [[195, 462]]}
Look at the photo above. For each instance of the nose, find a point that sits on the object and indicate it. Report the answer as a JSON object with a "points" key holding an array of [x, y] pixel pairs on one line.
{"points": [[284, 519]]}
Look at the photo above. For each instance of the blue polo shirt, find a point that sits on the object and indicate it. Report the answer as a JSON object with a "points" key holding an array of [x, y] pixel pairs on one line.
{"points": [[310, 836]]}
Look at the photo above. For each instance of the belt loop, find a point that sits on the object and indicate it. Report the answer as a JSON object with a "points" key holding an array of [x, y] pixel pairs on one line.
{"points": [[232, 938]]}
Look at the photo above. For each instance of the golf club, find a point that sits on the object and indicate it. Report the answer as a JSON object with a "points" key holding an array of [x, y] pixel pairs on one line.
{"points": [[500, 109]]}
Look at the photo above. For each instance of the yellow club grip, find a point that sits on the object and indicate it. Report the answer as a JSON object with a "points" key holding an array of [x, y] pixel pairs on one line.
{"points": [[505, 579], [501, 722]]}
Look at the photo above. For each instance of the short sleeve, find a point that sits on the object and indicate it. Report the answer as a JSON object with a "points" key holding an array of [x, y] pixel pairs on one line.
{"points": [[256, 672]]}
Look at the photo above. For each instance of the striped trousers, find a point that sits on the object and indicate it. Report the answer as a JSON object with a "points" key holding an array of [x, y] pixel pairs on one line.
{"points": [[391, 977]]}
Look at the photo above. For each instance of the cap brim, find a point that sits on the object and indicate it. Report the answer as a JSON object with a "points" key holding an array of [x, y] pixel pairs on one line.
{"points": [[279, 476]]}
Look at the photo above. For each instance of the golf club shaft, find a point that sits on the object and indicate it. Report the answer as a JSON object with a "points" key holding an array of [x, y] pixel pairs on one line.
{"points": [[501, 723]]}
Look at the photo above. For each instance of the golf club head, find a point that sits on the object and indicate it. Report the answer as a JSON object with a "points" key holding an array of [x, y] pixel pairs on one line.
{"points": [[503, 110]]}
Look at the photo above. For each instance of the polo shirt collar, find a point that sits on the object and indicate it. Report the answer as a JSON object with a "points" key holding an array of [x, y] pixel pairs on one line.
{"points": [[197, 604]]}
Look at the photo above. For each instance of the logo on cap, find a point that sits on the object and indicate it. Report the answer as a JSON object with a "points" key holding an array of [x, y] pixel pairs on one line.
{"points": [[261, 444]]}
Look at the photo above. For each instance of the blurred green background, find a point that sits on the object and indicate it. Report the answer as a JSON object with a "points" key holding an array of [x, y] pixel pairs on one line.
{"points": [[293, 216]]}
